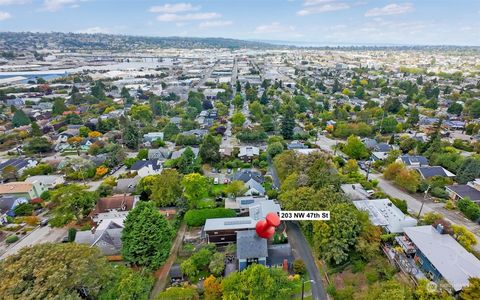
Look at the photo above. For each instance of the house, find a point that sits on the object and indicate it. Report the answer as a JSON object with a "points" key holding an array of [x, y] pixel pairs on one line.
{"points": [[49, 181], [355, 191], [369, 143], [413, 161], [112, 207], [7, 207], [147, 167], [20, 165], [243, 203], [293, 145], [23, 189], [254, 188], [177, 154], [428, 172], [471, 190], [250, 249], [153, 136], [248, 153], [246, 175], [439, 255], [383, 213], [160, 153], [107, 237], [223, 230]]}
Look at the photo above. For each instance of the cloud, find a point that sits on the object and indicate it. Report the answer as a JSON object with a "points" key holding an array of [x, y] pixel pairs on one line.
{"points": [[188, 17], [55, 5], [173, 8], [390, 9], [274, 27], [10, 2], [93, 30], [4, 15], [320, 6], [210, 24]]}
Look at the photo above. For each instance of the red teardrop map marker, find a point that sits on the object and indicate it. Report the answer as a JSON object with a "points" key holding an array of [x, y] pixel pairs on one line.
{"points": [[266, 228]]}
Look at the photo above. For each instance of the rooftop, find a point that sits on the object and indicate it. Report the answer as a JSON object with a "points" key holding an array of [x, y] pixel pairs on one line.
{"points": [[249, 245]]}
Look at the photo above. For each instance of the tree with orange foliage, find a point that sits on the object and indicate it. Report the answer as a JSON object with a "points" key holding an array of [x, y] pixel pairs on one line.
{"points": [[75, 141], [101, 171], [213, 288], [94, 134]]}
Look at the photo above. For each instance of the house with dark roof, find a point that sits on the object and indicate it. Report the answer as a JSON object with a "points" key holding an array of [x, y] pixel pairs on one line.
{"points": [[429, 172], [246, 174], [413, 161], [107, 237], [160, 153], [250, 249], [20, 165], [248, 153], [147, 167], [471, 190]]}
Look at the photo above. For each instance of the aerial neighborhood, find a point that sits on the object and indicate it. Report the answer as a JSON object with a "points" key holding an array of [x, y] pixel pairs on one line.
{"points": [[147, 164]]}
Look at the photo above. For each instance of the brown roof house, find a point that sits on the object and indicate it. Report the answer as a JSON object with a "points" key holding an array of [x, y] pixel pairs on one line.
{"points": [[27, 190], [108, 215]]}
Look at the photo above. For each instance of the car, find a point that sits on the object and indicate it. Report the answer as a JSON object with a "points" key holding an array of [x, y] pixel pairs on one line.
{"points": [[215, 181], [65, 239], [226, 180], [229, 171], [44, 222]]}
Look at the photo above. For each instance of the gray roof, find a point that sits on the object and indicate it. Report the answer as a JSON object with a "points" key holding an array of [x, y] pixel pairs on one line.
{"points": [[414, 159], [229, 223], [247, 174], [428, 172], [176, 154], [454, 263], [44, 179], [355, 191], [249, 245], [382, 147], [160, 153], [464, 190], [108, 240], [16, 163], [142, 163], [382, 212], [127, 185], [253, 184]]}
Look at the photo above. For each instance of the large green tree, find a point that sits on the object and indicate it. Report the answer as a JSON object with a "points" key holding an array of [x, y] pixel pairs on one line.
{"points": [[257, 282], [288, 122], [131, 136], [146, 237], [209, 150], [355, 148], [59, 106], [71, 201], [20, 118], [54, 271], [196, 188], [167, 188]]}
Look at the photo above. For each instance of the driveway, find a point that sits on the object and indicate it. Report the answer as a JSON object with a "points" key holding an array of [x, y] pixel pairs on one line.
{"points": [[38, 236], [302, 250]]}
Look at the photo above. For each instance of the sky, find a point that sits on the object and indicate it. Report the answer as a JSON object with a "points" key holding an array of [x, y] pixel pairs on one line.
{"points": [[314, 22]]}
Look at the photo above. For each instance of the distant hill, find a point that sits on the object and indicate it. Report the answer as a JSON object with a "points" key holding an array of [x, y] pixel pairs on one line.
{"points": [[75, 41]]}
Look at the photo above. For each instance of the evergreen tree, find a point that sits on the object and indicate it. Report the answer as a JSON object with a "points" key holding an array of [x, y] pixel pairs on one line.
{"points": [[209, 150], [36, 131], [59, 106], [20, 118], [131, 136], [288, 122]]}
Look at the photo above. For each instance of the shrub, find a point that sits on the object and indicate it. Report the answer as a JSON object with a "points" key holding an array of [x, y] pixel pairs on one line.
{"points": [[401, 204], [31, 220], [358, 266], [299, 267], [197, 217], [24, 209], [372, 276], [11, 239], [439, 193], [450, 205], [72, 233], [469, 208]]}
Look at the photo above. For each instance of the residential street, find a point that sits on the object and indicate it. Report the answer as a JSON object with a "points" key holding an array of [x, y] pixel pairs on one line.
{"points": [[302, 251], [38, 236]]}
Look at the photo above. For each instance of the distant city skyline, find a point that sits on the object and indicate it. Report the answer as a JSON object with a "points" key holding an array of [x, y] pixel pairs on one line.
{"points": [[314, 22]]}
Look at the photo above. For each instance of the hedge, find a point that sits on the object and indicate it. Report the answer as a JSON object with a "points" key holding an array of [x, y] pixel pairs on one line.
{"points": [[470, 209], [11, 239], [197, 217]]}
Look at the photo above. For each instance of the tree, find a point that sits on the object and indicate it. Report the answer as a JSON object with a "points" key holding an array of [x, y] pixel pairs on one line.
{"points": [[408, 179], [274, 148], [142, 113], [146, 237], [288, 122], [189, 268], [257, 282], [209, 150], [213, 288], [170, 131], [167, 189], [36, 131], [389, 125], [59, 106], [75, 142], [180, 293], [10, 172], [472, 291], [466, 238], [424, 291], [131, 136], [54, 271], [127, 284], [98, 90], [468, 170], [431, 217], [392, 170], [355, 148], [299, 267], [235, 188], [335, 239], [71, 201], [38, 145], [238, 119], [196, 188], [217, 263], [455, 109], [20, 118], [267, 123], [187, 162]]}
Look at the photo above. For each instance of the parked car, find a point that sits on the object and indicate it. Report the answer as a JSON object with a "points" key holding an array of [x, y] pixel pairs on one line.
{"points": [[44, 222], [229, 171], [215, 181]]}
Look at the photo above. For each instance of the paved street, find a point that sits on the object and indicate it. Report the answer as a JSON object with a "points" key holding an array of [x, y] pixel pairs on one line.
{"points": [[40, 235], [302, 251]]}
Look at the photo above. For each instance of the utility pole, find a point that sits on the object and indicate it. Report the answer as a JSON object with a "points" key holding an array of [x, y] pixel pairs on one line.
{"points": [[303, 286], [423, 201]]}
